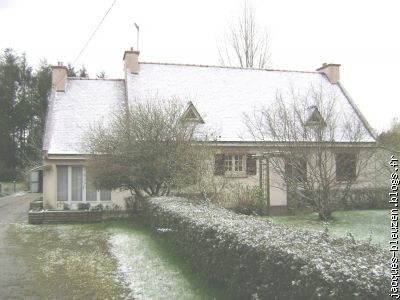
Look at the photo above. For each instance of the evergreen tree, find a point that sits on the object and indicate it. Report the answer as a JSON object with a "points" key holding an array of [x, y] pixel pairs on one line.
{"points": [[71, 70], [83, 72], [9, 80], [23, 106]]}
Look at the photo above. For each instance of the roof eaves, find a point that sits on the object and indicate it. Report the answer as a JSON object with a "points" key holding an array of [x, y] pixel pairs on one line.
{"points": [[49, 120], [370, 130]]}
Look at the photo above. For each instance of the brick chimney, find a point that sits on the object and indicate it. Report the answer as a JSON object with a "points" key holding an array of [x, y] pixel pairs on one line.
{"points": [[59, 77], [131, 62], [332, 71]]}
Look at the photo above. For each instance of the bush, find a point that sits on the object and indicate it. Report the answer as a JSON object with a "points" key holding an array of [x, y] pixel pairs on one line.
{"points": [[98, 207], [83, 206], [246, 199], [258, 259], [66, 206]]}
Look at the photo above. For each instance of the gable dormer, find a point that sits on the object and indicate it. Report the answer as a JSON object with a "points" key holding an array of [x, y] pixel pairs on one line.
{"points": [[192, 115], [314, 118]]}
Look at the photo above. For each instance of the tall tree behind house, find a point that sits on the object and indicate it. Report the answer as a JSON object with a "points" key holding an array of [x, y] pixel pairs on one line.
{"points": [[23, 105]]}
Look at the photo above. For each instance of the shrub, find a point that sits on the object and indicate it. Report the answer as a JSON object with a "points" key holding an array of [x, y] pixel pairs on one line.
{"points": [[258, 259], [246, 199], [66, 206], [83, 206], [98, 207]]}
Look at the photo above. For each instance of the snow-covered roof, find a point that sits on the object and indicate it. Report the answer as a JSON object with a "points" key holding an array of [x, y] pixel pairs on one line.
{"points": [[221, 95], [84, 104]]}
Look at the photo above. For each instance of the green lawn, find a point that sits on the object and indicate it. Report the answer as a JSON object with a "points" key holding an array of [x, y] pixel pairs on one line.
{"points": [[110, 260], [361, 223]]}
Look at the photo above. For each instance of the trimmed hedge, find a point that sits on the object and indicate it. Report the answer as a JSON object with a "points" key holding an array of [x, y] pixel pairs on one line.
{"points": [[256, 259]]}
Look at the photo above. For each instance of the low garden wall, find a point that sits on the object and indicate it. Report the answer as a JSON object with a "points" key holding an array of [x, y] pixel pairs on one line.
{"points": [[64, 216], [256, 259]]}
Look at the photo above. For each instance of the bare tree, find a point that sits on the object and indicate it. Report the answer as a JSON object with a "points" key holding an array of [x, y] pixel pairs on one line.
{"points": [[318, 154], [245, 44], [148, 149]]}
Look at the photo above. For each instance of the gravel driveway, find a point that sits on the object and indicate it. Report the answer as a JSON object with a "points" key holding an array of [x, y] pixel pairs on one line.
{"points": [[14, 275]]}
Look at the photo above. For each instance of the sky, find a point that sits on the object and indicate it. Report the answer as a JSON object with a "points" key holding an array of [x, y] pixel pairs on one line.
{"points": [[362, 36]]}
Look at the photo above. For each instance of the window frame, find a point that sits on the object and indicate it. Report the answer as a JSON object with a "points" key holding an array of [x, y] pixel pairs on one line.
{"points": [[235, 164], [84, 186]]}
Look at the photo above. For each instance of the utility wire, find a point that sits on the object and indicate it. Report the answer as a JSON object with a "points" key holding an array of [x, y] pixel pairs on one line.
{"points": [[94, 32], [88, 41]]}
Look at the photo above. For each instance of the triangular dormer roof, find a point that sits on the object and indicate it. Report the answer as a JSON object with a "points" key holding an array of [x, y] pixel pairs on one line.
{"points": [[314, 117], [191, 114]]}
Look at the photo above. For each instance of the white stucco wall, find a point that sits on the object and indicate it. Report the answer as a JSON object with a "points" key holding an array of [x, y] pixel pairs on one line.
{"points": [[50, 187]]}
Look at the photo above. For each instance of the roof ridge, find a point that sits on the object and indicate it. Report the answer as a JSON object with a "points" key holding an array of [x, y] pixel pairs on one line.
{"points": [[226, 67], [100, 79]]}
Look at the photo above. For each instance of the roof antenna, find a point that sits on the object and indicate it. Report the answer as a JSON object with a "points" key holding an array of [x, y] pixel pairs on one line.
{"points": [[137, 37]]}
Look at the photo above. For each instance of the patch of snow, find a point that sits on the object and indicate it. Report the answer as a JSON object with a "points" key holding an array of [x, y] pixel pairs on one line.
{"points": [[148, 273]]}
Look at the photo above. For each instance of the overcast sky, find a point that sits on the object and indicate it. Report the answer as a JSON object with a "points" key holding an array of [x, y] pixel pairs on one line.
{"points": [[363, 36]]}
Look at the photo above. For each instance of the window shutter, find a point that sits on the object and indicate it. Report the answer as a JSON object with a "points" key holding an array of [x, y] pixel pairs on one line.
{"points": [[251, 165], [219, 167]]}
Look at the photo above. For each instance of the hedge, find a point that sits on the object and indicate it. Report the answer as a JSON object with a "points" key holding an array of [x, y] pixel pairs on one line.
{"points": [[257, 259]]}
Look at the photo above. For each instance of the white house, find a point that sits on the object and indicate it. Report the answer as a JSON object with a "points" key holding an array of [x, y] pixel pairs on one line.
{"points": [[219, 96]]}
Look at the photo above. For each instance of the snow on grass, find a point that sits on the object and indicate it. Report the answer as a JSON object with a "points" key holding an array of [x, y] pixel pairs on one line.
{"points": [[149, 271], [67, 261], [360, 223]]}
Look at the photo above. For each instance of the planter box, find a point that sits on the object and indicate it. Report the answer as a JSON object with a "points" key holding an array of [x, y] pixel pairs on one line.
{"points": [[64, 216], [36, 205]]}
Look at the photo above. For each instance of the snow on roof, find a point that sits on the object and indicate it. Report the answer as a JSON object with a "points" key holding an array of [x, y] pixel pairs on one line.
{"points": [[72, 113], [221, 95]]}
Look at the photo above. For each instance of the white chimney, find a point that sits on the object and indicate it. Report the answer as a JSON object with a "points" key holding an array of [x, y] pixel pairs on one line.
{"points": [[332, 71], [131, 62], [59, 77]]}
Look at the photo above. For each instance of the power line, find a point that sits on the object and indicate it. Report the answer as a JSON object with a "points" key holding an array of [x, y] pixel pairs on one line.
{"points": [[94, 32], [88, 41]]}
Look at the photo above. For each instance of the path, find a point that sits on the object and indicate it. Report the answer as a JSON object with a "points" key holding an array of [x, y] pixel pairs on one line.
{"points": [[13, 274]]}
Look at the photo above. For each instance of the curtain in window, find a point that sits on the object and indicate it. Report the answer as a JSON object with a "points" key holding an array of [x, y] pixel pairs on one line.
{"points": [[62, 183], [91, 192], [105, 195], [76, 184]]}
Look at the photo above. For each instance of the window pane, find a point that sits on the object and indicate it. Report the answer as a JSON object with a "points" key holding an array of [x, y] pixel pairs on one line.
{"points": [[228, 163], [76, 184], [105, 195], [91, 192], [239, 162], [62, 183]]}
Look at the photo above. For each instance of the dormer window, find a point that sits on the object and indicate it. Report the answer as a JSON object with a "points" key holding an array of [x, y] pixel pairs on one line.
{"points": [[314, 118], [192, 115]]}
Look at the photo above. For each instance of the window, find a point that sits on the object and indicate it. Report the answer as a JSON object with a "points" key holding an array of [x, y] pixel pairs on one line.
{"points": [[345, 166], [73, 185], [76, 186], [234, 163], [192, 115], [62, 183], [91, 192], [296, 169], [105, 195], [314, 118]]}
